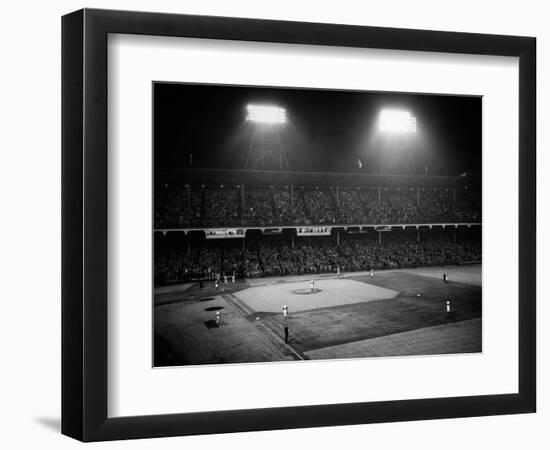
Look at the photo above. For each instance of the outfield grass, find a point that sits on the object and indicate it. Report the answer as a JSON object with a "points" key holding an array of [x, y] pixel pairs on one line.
{"points": [[457, 337]]}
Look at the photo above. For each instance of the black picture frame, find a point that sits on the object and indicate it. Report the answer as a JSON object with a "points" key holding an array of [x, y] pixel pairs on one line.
{"points": [[84, 224]]}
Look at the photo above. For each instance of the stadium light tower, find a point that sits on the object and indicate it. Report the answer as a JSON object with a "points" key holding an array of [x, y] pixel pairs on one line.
{"points": [[266, 149], [266, 114], [396, 121], [396, 140]]}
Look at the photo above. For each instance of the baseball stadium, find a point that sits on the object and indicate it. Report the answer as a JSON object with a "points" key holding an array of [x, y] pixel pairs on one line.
{"points": [[267, 263]]}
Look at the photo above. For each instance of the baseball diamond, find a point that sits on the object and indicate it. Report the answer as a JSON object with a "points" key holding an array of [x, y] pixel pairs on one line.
{"points": [[399, 312]]}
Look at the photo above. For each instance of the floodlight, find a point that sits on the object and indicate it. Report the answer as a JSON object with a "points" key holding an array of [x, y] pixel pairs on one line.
{"points": [[266, 114], [396, 121]]}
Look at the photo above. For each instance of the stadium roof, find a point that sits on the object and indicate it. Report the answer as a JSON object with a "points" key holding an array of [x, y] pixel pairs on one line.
{"points": [[278, 178]]}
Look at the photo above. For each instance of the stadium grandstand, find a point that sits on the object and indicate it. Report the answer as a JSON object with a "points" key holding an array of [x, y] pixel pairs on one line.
{"points": [[253, 223]]}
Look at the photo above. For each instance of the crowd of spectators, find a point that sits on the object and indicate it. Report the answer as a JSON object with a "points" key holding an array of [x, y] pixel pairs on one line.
{"points": [[268, 257], [220, 207], [256, 209], [319, 206], [178, 207], [230, 206]]}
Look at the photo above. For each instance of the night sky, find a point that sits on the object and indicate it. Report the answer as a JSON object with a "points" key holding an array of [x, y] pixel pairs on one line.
{"points": [[326, 130]]}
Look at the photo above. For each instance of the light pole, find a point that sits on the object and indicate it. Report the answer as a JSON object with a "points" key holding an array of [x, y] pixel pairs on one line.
{"points": [[266, 147], [395, 128]]}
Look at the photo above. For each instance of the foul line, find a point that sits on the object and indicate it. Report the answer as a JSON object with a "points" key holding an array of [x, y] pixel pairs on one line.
{"points": [[241, 309]]}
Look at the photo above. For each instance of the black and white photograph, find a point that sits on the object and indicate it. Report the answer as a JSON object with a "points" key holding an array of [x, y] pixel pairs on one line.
{"points": [[275, 225], [295, 224]]}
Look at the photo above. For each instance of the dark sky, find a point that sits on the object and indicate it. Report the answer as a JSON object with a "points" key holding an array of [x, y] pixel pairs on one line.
{"points": [[327, 130]]}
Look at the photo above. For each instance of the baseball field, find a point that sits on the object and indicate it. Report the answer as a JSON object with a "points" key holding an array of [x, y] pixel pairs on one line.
{"points": [[330, 316]]}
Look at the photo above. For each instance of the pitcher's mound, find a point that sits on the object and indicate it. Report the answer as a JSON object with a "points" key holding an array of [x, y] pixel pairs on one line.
{"points": [[306, 291]]}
